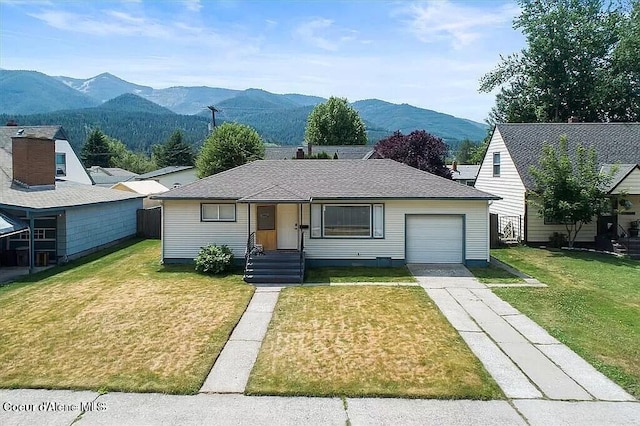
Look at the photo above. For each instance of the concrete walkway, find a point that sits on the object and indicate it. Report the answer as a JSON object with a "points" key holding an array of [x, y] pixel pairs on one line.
{"points": [[522, 357], [230, 373]]}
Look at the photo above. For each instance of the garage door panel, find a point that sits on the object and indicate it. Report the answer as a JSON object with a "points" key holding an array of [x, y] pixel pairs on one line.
{"points": [[434, 239]]}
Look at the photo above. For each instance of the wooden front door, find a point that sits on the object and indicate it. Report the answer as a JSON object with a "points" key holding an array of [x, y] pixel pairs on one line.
{"points": [[266, 233]]}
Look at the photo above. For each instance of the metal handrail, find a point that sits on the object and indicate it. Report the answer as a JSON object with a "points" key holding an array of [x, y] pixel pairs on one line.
{"points": [[251, 245], [302, 256], [625, 234]]}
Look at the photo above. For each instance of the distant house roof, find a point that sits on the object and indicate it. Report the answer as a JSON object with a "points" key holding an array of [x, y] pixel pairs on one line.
{"points": [[305, 180], [344, 152], [144, 187], [109, 176], [65, 194], [614, 143], [162, 172], [465, 171]]}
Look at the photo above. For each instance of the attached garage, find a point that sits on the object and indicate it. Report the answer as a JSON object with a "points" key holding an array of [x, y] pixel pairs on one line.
{"points": [[434, 239]]}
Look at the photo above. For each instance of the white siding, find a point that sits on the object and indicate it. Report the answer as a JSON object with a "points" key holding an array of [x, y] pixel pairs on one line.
{"points": [[538, 232], [182, 177], [630, 185], [393, 243], [183, 234], [508, 185], [625, 219], [75, 170]]}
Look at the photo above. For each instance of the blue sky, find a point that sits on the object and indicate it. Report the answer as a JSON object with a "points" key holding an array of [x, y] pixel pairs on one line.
{"points": [[429, 53]]}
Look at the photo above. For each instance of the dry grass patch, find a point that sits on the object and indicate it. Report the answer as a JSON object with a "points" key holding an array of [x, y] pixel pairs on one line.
{"points": [[120, 322], [365, 341]]}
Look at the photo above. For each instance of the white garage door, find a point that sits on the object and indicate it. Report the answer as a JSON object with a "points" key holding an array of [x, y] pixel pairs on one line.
{"points": [[434, 239]]}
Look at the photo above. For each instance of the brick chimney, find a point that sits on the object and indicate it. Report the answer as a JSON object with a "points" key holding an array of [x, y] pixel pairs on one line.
{"points": [[300, 154], [34, 161]]}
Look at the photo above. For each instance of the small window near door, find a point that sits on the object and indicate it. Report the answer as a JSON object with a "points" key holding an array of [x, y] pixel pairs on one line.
{"points": [[496, 164], [61, 164], [218, 212], [266, 218]]}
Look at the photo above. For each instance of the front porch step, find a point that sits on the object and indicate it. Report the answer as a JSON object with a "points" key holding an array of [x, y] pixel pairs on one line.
{"points": [[275, 267]]}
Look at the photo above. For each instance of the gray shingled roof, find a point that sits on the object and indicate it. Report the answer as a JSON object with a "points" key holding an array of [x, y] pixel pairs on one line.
{"points": [[465, 171], [304, 180], [614, 143], [161, 172], [621, 172], [345, 152], [65, 194]]}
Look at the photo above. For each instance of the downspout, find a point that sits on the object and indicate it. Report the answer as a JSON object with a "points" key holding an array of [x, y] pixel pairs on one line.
{"points": [[525, 237], [31, 247], [248, 219]]}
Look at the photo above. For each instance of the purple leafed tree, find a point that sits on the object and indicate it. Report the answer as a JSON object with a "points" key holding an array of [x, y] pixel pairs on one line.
{"points": [[418, 149]]}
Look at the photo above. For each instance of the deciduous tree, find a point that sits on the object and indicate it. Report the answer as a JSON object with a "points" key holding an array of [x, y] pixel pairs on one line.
{"points": [[229, 145], [335, 122], [569, 192], [124, 158], [575, 64], [418, 149]]}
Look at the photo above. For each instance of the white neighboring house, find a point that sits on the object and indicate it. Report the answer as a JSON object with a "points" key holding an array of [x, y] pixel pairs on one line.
{"points": [[172, 176], [333, 212], [143, 187], [514, 148], [464, 174]]}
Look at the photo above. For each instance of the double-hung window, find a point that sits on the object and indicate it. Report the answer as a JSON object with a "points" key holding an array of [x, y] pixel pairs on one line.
{"points": [[347, 221], [496, 164], [61, 164], [218, 212]]}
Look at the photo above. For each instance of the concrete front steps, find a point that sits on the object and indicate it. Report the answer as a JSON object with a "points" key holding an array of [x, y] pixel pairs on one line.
{"points": [[629, 246], [281, 266]]}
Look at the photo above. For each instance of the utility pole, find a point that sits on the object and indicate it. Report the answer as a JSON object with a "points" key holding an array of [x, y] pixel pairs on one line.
{"points": [[213, 115]]}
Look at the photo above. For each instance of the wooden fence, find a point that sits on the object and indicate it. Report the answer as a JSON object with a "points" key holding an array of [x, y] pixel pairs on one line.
{"points": [[149, 222]]}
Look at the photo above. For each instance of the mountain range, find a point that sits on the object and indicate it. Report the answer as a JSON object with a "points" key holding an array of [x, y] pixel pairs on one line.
{"points": [[141, 116]]}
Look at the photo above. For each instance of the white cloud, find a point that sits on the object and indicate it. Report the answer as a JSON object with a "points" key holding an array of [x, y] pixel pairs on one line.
{"points": [[460, 24], [310, 33], [192, 5]]}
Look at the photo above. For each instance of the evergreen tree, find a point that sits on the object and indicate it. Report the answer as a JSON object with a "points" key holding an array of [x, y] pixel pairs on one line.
{"points": [[174, 152], [96, 151]]}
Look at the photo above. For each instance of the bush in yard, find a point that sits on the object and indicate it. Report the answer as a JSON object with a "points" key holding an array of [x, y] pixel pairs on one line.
{"points": [[214, 259]]}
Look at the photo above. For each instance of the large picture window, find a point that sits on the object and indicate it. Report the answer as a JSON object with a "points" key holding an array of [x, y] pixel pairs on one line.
{"points": [[218, 212], [347, 221]]}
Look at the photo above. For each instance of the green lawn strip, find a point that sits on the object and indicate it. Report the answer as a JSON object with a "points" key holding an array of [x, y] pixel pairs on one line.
{"points": [[494, 275], [365, 341], [358, 274], [117, 322], [592, 305]]}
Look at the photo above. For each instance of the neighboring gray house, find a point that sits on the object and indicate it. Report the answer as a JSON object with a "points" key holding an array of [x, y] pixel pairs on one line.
{"points": [[343, 152], [465, 174], [53, 219], [514, 148], [109, 176], [171, 176], [333, 212]]}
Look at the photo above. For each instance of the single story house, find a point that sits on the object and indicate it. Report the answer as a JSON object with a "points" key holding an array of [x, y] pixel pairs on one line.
{"points": [[514, 148], [335, 212], [47, 219], [171, 176], [464, 174]]}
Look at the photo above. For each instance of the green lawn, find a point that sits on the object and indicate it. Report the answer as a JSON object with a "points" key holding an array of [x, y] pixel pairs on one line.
{"points": [[365, 341], [592, 304], [359, 274], [117, 321], [494, 275]]}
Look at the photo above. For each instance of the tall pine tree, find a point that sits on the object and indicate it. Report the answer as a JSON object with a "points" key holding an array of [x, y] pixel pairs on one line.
{"points": [[96, 150], [174, 152]]}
